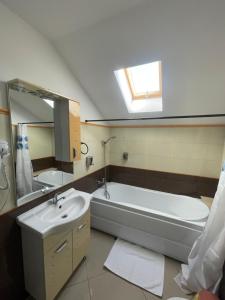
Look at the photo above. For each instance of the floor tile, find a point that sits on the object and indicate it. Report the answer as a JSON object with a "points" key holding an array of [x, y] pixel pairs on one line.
{"points": [[79, 275], [99, 249], [172, 268], [110, 287], [79, 291]]}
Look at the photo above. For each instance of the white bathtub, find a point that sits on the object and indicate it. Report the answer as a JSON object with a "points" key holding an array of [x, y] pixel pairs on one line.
{"points": [[54, 178], [166, 223], [36, 194]]}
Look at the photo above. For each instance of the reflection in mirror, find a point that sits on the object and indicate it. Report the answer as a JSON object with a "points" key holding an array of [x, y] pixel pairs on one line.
{"points": [[33, 138]]}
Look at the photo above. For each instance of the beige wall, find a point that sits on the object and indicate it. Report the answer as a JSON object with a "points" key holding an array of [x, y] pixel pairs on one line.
{"points": [[194, 151], [93, 137], [41, 142]]}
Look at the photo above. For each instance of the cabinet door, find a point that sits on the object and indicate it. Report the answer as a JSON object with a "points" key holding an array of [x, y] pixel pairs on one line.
{"points": [[81, 239], [74, 130], [58, 266]]}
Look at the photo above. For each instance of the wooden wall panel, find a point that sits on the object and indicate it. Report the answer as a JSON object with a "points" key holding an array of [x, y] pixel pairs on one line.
{"points": [[194, 186], [43, 163]]}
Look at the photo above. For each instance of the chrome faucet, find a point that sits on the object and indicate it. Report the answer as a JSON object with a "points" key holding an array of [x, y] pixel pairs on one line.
{"points": [[101, 182], [56, 198]]}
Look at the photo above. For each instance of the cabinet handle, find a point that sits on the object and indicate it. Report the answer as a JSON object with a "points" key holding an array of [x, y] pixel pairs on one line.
{"points": [[82, 227], [74, 152], [61, 247]]}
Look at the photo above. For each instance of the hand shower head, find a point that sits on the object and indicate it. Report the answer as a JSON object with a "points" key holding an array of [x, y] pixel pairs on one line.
{"points": [[108, 140]]}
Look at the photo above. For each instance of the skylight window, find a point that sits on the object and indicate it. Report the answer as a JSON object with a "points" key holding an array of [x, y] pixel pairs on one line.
{"points": [[49, 102], [142, 83]]}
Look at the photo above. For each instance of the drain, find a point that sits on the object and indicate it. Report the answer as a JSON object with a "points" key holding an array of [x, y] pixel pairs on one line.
{"points": [[64, 216]]}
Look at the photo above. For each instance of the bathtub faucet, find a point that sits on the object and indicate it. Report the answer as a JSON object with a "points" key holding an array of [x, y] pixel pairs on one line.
{"points": [[101, 182]]}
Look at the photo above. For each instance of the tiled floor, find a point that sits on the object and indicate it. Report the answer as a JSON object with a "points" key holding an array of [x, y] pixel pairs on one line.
{"points": [[93, 282]]}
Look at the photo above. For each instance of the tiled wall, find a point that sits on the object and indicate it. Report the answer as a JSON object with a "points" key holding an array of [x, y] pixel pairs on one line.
{"points": [[185, 150], [93, 137], [193, 151]]}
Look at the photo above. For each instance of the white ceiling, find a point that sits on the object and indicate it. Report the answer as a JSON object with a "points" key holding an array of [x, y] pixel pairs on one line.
{"points": [[96, 37], [55, 18]]}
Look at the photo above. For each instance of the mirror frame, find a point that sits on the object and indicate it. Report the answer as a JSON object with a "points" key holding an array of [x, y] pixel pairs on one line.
{"points": [[35, 90]]}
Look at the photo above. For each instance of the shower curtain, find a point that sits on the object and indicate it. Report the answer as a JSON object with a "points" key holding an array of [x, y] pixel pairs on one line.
{"points": [[205, 263], [24, 170]]}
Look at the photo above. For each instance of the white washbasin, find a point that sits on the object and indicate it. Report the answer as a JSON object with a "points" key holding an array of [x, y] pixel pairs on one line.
{"points": [[49, 218]]}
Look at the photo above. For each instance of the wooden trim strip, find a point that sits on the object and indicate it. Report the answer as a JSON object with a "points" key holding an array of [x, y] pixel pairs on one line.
{"points": [[35, 126], [4, 111], [93, 124], [135, 126], [167, 126], [153, 126]]}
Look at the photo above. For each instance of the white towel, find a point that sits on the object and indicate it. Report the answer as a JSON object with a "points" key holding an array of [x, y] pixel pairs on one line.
{"points": [[138, 265], [24, 170]]}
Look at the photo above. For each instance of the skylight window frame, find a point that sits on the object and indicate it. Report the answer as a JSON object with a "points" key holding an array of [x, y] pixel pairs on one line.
{"points": [[144, 96]]}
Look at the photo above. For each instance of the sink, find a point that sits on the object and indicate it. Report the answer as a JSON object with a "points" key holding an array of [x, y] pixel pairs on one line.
{"points": [[49, 218]]}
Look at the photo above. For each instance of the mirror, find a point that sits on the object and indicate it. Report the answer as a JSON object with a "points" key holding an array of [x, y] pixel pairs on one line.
{"points": [[36, 130]]}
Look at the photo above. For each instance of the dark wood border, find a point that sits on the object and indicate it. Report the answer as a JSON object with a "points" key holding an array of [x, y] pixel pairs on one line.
{"points": [[64, 166], [50, 162], [194, 186], [43, 163]]}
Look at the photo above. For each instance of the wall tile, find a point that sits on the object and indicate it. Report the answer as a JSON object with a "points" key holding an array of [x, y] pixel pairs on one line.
{"points": [[185, 150]]}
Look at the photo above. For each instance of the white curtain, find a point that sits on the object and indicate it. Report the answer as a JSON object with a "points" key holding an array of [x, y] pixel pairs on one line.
{"points": [[24, 170], [205, 263]]}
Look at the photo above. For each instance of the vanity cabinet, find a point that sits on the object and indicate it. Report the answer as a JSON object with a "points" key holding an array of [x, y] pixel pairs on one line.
{"points": [[67, 130], [81, 238], [49, 262], [58, 265]]}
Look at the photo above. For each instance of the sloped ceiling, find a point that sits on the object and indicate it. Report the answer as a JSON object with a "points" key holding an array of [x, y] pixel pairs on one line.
{"points": [[55, 18], [29, 108], [187, 36]]}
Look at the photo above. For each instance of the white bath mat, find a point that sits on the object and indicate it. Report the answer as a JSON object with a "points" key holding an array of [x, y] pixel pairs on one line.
{"points": [[137, 265]]}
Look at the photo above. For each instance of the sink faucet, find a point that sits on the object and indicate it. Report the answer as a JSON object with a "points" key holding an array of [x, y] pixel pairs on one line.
{"points": [[56, 198]]}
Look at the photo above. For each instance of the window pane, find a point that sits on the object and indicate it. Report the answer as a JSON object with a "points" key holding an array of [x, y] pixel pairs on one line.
{"points": [[145, 79]]}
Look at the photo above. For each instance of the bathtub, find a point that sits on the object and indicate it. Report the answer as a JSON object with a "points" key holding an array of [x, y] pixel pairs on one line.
{"points": [[163, 222], [54, 178], [36, 194]]}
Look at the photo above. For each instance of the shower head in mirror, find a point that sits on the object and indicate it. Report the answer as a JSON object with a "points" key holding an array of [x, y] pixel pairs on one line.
{"points": [[108, 140]]}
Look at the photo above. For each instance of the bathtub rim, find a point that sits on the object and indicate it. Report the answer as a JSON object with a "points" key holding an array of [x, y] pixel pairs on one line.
{"points": [[198, 226], [195, 224]]}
